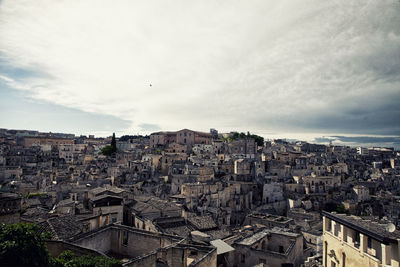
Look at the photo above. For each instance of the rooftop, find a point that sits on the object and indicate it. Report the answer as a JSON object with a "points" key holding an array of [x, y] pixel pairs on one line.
{"points": [[371, 228]]}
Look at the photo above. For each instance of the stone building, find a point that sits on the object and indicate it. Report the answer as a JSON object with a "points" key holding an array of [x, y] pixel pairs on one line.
{"points": [[10, 208], [321, 184], [362, 193], [351, 241], [242, 167], [142, 248], [185, 137], [245, 147], [54, 141], [273, 247]]}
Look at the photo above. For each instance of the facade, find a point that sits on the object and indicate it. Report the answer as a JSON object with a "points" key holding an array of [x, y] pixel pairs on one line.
{"points": [[245, 147], [362, 151], [10, 207], [321, 184], [351, 241], [242, 167], [143, 248], [184, 137], [362, 193], [39, 141], [275, 247], [272, 192]]}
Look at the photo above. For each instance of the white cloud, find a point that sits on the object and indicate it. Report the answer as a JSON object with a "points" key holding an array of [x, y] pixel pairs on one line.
{"points": [[226, 64]]}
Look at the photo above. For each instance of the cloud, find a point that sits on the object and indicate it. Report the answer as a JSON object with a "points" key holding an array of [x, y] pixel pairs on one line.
{"points": [[43, 116], [365, 141], [149, 127], [369, 139], [317, 66]]}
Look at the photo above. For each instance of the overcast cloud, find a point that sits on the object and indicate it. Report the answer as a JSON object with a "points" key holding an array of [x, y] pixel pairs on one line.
{"points": [[283, 66]]}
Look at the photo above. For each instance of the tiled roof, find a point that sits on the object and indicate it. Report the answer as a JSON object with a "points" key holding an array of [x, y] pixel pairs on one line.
{"points": [[218, 234], [62, 228], [202, 222]]}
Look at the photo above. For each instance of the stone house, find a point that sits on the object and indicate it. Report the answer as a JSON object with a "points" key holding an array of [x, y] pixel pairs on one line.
{"points": [[352, 241]]}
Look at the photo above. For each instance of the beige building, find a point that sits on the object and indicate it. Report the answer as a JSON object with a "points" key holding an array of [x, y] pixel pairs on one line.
{"points": [[362, 193], [351, 241], [245, 147], [270, 247], [242, 167], [185, 137], [321, 184], [39, 141]]}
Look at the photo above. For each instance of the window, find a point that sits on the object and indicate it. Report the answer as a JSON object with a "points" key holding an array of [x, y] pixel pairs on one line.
{"points": [[357, 239], [125, 238], [369, 242], [344, 260], [243, 258], [328, 225], [280, 249]]}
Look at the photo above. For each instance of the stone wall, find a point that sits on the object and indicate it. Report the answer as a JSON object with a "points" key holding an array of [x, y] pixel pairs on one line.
{"points": [[56, 247]]}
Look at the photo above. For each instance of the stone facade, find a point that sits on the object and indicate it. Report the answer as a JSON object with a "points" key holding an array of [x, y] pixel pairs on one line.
{"points": [[351, 241]]}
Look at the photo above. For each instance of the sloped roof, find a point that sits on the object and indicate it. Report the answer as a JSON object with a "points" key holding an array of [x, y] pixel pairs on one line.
{"points": [[62, 228], [371, 228], [221, 246], [202, 222]]}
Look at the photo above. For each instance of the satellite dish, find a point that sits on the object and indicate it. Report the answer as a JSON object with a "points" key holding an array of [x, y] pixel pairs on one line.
{"points": [[390, 227]]}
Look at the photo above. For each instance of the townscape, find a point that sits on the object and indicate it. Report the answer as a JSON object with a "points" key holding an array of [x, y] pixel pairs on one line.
{"points": [[190, 198]]}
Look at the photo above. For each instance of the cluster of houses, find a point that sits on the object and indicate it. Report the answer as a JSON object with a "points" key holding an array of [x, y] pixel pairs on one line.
{"points": [[190, 198]]}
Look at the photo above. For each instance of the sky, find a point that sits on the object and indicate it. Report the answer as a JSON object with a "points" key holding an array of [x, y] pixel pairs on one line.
{"points": [[302, 69]]}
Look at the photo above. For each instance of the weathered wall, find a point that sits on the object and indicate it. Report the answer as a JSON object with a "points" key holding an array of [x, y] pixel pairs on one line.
{"points": [[100, 240], [57, 247]]}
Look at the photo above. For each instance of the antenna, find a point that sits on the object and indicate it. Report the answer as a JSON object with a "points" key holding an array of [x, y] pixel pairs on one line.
{"points": [[390, 227]]}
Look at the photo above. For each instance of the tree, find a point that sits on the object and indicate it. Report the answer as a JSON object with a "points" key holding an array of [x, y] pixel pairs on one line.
{"points": [[125, 138], [107, 151], [258, 139], [110, 149], [22, 245], [113, 143], [341, 209]]}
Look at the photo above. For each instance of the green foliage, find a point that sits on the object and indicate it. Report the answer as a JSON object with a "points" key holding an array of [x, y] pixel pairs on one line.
{"points": [[125, 138], [107, 151], [114, 143], [235, 135], [341, 209], [68, 259], [110, 149], [22, 245]]}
